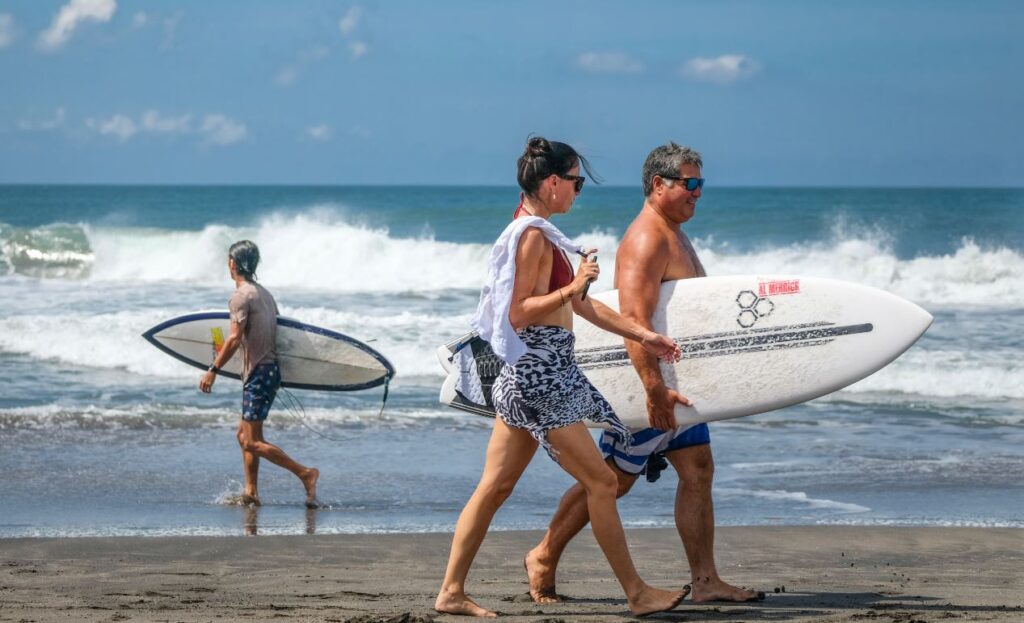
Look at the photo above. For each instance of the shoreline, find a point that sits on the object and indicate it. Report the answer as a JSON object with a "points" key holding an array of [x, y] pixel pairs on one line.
{"points": [[828, 573]]}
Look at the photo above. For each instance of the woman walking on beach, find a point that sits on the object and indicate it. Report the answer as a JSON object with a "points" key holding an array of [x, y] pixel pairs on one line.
{"points": [[254, 328], [541, 397]]}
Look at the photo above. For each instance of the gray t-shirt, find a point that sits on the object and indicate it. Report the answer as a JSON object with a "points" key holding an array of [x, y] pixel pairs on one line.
{"points": [[253, 307]]}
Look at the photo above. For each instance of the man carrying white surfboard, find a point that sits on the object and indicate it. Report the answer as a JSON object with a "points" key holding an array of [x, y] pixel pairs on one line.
{"points": [[254, 328], [653, 250]]}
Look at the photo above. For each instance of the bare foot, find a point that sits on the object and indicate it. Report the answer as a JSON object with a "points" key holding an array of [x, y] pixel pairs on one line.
{"points": [[541, 578], [651, 600], [309, 481], [449, 603], [715, 589], [249, 499]]}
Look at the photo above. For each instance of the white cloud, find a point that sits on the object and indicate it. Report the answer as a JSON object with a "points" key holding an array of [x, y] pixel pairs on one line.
{"points": [[608, 62], [721, 70], [119, 126], [170, 30], [70, 16], [45, 125], [348, 23], [215, 129], [287, 75], [152, 122], [320, 132], [140, 19], [221, 130], [6, 30], [290, 73], [358, 49]]}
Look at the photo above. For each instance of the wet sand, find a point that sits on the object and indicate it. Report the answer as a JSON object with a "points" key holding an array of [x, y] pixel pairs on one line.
{"points": [[902, 575]]}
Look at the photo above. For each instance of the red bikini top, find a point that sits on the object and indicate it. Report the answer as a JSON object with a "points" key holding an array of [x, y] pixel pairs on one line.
{"points": [[561, 269]]}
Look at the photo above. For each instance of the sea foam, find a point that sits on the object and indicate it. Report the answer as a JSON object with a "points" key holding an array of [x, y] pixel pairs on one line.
{"points": [[320, 249]]}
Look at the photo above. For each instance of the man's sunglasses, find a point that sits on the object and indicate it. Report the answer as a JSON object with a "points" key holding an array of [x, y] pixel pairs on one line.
{"points": [[690, 183], [575, 179]]}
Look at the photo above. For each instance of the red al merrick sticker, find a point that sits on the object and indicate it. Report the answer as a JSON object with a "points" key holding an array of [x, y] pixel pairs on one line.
{"points": [[773, 288]]}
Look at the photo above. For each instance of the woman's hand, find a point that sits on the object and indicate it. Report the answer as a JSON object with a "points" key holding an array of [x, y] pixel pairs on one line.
{"points": [[586, 273], [661, 346]]}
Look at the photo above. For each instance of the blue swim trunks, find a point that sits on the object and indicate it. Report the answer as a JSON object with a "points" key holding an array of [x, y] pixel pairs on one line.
{"points": [[649, 442], [259, 391]]}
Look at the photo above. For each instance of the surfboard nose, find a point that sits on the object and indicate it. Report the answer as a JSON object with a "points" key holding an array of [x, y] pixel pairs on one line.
{"points": [[918, 319]]}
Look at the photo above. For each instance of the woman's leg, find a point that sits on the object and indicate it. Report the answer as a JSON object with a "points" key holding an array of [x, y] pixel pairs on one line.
{"points": [[578, 455], [508, 454]]}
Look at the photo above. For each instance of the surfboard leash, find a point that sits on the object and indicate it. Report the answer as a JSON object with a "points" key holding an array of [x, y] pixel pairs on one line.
{"points": [[384, 400], [294, 406]]}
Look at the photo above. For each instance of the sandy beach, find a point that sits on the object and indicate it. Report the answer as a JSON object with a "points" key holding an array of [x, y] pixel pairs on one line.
{"points": [[810, 574]]}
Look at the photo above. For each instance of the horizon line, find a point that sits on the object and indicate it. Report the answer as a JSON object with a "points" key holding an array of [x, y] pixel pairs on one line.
{"points": [[432, 185]]}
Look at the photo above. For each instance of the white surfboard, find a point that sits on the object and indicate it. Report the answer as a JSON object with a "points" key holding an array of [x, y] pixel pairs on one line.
{"points": [[310, 357], [750, 344]]}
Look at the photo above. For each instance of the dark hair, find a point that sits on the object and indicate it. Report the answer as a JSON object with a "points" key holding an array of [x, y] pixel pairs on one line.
{"points": [[666, 160], [247, 257], [543, 158]]}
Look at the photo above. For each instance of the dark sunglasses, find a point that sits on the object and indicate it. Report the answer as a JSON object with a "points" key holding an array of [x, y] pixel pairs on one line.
{"points": [[575, 179], [690, 183]]}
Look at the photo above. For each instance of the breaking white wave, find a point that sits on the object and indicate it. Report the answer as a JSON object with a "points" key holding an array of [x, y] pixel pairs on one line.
{"points": [[114, 341], [796, 497], [320, 249]]}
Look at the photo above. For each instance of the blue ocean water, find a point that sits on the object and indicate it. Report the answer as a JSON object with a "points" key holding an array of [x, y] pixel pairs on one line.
{"points": [[104, 435]]}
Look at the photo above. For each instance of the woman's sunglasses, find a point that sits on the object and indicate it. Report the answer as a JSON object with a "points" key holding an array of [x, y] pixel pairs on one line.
{"points": [[575, 179], [690, 183]]}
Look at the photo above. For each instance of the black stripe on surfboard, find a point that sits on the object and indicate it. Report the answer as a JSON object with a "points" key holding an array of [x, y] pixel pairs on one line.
{"points": [[721, 347], [712, 336]]}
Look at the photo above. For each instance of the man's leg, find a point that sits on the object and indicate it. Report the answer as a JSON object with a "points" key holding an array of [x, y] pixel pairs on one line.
{"points": [[695, 520], [571, 517], [250, 436], [251, 470]]}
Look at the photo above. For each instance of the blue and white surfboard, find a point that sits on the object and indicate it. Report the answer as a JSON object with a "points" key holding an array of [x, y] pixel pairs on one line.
{"points": [[310, 357]]}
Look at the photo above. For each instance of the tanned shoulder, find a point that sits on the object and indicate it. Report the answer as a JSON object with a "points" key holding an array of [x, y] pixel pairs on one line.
{"points": [[644, 250]]}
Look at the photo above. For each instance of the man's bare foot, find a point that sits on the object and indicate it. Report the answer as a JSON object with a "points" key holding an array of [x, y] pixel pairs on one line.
{"points": [[449, 603], [715, 589], [651, 600], [309, 481], [541, 578], [249, 499]]}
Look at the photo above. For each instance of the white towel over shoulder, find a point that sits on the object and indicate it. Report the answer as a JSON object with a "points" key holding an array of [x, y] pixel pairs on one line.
{"points": [[491, 319]]}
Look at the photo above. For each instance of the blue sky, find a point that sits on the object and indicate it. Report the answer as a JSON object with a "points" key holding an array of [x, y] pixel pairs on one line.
{"points": [[883, 93]]}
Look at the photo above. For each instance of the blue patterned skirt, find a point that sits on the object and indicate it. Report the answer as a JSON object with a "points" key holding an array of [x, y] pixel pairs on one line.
{"points": [[546, 389]]}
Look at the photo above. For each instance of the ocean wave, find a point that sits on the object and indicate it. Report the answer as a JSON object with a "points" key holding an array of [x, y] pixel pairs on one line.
{"points": [[332, 422], [409, 339], [57, 251], [112, 340], [794, 497], [949, 374], [971, 276], [322, 249]]}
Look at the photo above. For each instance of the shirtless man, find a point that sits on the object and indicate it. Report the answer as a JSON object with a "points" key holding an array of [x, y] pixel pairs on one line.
{"points": [[653, 250]]}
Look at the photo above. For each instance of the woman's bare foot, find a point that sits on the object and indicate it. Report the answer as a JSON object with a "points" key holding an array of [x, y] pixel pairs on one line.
{"points": [[309, 481], [651, 600], [715, 589], [249, 499], [451, 603], [541, 578]]}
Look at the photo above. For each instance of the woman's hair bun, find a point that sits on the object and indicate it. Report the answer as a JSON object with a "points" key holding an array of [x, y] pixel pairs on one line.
{"points": [[543, 158], [537, 146]]}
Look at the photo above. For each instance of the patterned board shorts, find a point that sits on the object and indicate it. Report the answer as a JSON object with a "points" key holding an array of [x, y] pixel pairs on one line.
{"points": [[259, 391], [644, 454], [545, 389]]}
